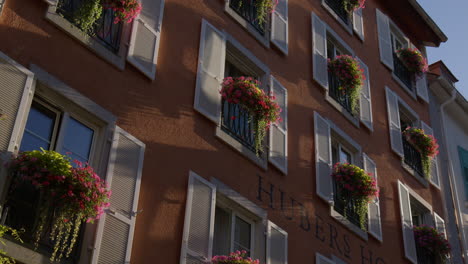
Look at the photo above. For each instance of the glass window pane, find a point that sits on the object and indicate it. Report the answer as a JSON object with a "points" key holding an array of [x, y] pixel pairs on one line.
{"points": [[77, 140], [242, 234], [39, 128], [222, 232], [345, 157]]}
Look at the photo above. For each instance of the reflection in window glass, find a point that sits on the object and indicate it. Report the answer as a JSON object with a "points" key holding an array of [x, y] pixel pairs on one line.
{"points": [[39, 129], [77, 140], [222, 232], [242, 231]]}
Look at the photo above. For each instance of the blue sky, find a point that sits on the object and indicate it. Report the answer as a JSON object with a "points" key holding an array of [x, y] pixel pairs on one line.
{"points": [[452, 18]]}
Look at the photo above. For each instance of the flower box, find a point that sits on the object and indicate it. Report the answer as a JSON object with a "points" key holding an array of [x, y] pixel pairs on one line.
{"points": [[424, 144], [413, 60], [352, 5], [237, 257], [432, 242]]}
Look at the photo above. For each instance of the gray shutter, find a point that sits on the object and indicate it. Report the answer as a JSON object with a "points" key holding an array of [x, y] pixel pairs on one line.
{"points": [[279, 26], [211, 60], [358, 23], [440, 224], [394, 122], [421, 87], [319, 56], [385, 42], [277, 245], [16, 92], [365, 104], [323, 158], [375, 226], [320, 259], [197, 242], [146, 33], [116, 227], [407, 223], [434, 177], [279, 131]]}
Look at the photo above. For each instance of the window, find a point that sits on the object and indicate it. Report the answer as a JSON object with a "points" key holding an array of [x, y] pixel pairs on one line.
{"points": [[248, 11], [463, 155], [349, 20], [338, 8], [412, 157], [400, 70]]}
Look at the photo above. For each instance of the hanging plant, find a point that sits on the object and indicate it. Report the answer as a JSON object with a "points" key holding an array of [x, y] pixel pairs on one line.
{"points": [[75, 195], [425, 144], [432, 241], [263, 9], [4, 258], [237, 257], [351, 77], [355, 185], [413, 60], [125, 10], [262, 108], [352, 5]]}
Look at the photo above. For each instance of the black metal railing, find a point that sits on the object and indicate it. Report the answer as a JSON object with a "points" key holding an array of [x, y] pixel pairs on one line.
{"points": [[237, 122], [338, 7], [248, 10], [339, 95], [424, 256], [412, 157], [400, 70], [105, 30], [347, 208]]}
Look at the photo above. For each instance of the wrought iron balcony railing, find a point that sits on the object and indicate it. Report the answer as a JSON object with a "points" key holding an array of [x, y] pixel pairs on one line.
{"points": [[248, 10], [412, 157], [338, 7], [347, 209], [339, 95], [424, 256], [105, 31], [400, 70]]}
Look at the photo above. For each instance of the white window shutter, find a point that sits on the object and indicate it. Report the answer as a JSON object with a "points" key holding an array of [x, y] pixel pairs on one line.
{"points": [[197, 242], [323, 158], [320, 259], [145, 37], [277, 245], [319, 56], [434, 177], [365, 104], [115, 229], [385, 42], [421, 87], [440, 224], [211, 61], [407, 223], [279, 26], [396, 140], [17, 86], [279, 131], [375, 225], [358, 23]]}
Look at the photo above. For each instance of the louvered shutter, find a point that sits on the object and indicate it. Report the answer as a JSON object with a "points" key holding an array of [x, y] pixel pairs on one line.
{"points": [[279, 26], [385, 42], [279, 130], [319, 56], [144, 40], [16, 92], [375, 226], [421, 87], [320, 259], [407, 223], [394, 122], [358, 23], [323, 158], [116, 227], [197, 242], [440, 224], [211, 60], [365, 104], [277, 245], [434, 177]]}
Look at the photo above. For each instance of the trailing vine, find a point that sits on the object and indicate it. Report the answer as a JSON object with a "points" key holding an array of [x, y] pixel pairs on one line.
{"points": [[4, 258]]}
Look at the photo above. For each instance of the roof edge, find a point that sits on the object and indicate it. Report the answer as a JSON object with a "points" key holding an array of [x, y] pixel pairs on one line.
{"points": [[430, 22]]}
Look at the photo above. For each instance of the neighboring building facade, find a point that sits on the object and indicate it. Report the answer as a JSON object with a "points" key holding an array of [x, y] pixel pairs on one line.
{"points": [[140, 102], [449, 115]]}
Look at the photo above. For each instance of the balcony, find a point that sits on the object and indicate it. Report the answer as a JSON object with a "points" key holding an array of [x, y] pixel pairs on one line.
{"points": [[347, 209], [340, 96], [425, 257], [248, 10], [338, 7], [412, 157], [105, 31], [400, 70]]}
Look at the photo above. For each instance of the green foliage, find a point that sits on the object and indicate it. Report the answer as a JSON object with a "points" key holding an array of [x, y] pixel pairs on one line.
{"points": [[4, 258], [425, 144], [87, 15]]}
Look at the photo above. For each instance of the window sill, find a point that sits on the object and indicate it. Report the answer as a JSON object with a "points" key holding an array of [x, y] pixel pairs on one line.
{"points": [[405, 88], [347, 28], [416, 175], [263, 39], [259, 161], [354, 120], [23, 254], [117, 60], [340, 218]]}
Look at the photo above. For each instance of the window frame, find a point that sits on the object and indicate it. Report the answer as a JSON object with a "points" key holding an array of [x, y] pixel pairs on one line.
{"points": [[348, 27]]}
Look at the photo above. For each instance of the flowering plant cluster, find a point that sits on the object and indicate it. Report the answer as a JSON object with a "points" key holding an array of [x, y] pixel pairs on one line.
{"points": [[353, 183], [350, 75], [262, 108], [425, 144], [125, 10], [413, 60], [237, 257], [264, 8], [351, 5], [75, 194], [428, 238]]}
